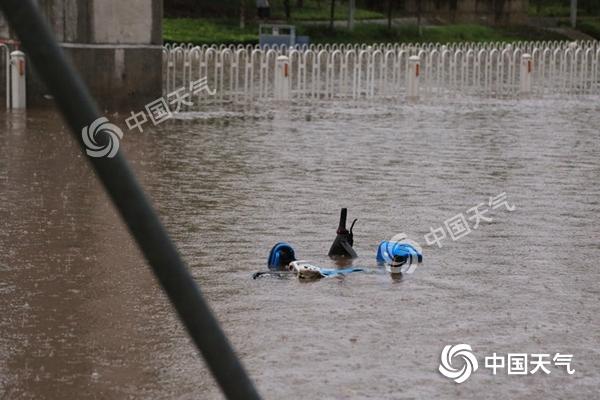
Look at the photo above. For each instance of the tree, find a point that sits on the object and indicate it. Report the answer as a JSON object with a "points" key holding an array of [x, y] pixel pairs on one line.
{"points": [[419, 11], [286, 7], [351, 10], [242, 14], [538, 7], [332, 19]]}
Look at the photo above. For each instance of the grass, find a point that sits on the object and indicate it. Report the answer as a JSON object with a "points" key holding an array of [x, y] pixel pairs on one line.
{"points": [[591, 26], [201, 31]]}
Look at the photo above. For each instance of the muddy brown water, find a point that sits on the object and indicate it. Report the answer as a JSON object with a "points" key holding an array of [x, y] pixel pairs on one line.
{"points": [[82, 317]]}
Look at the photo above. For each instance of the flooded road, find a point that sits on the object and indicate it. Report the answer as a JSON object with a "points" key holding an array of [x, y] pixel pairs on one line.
{"points": [[82, 316]]}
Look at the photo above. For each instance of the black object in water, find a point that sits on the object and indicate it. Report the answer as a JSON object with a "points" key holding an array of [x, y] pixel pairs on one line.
{"points": [[342, 245]]}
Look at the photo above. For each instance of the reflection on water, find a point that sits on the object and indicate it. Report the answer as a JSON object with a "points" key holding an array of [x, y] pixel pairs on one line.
{"points": [[83, 318]]}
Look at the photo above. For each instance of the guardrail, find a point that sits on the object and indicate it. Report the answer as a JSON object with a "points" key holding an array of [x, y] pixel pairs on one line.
{"points": [[247, 73]]}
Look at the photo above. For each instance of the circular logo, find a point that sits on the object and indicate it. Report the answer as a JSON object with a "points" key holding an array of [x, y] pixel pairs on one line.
{"points": [[89, 135], [395, 264], [463, 351]]}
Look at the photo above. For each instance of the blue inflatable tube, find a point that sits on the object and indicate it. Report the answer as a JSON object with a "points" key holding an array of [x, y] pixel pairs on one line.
{"points": [[396, 255]]}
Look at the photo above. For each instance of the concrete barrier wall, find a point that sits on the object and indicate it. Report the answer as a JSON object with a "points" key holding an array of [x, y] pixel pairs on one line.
{"points": [[114, 44]]}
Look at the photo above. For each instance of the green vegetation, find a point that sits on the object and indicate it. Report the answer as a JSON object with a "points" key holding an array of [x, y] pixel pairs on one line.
{"points": [[314, 10], [554, 10], [591, 26], [218, 22], [371, 33], [201, 31], [562, 8]]}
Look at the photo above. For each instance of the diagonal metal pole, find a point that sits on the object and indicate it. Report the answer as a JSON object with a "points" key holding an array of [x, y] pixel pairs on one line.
{"points": [[79, 110]]}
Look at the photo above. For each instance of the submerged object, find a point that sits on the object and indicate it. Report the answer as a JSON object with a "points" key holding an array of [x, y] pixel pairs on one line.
{"points": [[398, 256], [342, 245], [282, 261], [305, 270]]}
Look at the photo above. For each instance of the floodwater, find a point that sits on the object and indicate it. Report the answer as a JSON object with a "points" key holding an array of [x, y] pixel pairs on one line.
{"points": [[82, 316]]}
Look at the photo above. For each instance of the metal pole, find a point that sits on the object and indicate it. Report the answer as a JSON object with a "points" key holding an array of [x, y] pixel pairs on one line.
{"points": [[79, 110], [573, 13]]}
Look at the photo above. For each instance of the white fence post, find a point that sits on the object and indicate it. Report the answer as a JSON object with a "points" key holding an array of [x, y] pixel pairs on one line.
{"points": [[282, 78], [17, 63], [412, 80], [526, 69]]}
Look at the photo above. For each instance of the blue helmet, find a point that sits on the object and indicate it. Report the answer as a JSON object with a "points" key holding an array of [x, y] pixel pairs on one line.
{"points": [[281, 255]]}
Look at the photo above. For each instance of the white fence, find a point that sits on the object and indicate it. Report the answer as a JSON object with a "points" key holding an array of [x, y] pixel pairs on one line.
{"points": [[247, 73]]}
